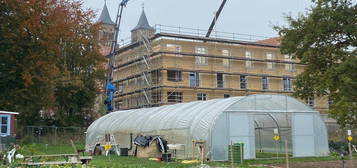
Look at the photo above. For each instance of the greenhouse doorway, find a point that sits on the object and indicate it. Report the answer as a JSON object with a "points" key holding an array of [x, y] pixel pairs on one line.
{"points": [[266, 126]]}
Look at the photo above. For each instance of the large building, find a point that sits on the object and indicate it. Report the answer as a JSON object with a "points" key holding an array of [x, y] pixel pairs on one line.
{"points": [[170, 65]]}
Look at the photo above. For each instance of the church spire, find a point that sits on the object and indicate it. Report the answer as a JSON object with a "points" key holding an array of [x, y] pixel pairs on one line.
{"points": [[142, 30], [104, 16], [143, 23]]}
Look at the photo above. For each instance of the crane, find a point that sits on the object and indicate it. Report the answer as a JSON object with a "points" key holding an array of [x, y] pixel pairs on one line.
{"points": [[215, 18], [110, 87]]}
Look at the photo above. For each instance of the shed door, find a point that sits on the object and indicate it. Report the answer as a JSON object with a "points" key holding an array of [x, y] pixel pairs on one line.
{"points": [[303, 135]]}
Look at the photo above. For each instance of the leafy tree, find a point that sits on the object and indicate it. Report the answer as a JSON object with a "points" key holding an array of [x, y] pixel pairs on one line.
{"points": [[49, 60], [325, 39]]}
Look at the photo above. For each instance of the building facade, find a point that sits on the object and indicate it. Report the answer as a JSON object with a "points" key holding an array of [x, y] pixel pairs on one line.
{"points": [[170, 67]]}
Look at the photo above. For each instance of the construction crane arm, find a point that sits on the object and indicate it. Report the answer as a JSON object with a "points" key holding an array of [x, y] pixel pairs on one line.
{"points": [[110, 87], [215, 18]]}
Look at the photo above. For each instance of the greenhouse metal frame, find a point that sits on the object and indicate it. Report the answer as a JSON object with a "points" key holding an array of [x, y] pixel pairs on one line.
{"points": [[221, 122]]}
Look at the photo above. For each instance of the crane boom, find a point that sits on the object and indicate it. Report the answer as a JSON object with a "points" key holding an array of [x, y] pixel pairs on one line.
{"points": [[110, 88], [215, 18]]}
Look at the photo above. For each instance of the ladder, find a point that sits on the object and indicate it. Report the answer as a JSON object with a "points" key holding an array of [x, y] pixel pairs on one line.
{"points": [[146, 68]]}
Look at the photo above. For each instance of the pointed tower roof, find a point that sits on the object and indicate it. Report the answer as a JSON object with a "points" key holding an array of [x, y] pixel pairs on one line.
{"points": [[105, 17], [143, 23]]}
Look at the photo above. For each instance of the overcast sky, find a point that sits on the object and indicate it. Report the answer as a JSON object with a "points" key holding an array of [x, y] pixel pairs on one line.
{"points": [[256, 17]]}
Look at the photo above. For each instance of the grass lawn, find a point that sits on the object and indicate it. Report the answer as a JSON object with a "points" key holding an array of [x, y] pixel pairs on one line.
{"points": [[133, 162]]}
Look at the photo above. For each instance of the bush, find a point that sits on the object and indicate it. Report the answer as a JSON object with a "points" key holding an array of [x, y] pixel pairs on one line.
{"points": [[338, 147]]}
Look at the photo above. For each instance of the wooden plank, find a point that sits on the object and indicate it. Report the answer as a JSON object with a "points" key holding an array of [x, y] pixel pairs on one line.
{"points": [[85, 157], [53, 155], [50, 163]]}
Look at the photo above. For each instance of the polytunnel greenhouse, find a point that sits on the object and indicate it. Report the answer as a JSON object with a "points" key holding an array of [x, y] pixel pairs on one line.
{"points": [[220, 122]]}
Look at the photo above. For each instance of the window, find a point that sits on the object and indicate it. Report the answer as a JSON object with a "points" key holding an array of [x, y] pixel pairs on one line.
{"points": [[265, 83], [225, 53], [248, 55], [220, 82], [289, 67], [201, 60], [156, 96], [136, 81], [270, 65], [194, 79], [174, 76], [127, 83], [155, 76], [201, 96], [5, 124], [311, 101], [173, 47], [243, 82], [174, 97], [287, 84], [226, 96], [120, 87]]}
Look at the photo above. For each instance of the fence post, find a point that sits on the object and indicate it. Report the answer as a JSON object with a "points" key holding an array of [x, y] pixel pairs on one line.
{"points": [[286, 153], [55, 135]]}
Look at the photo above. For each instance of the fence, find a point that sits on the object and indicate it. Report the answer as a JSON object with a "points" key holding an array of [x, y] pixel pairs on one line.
{"points": [[52, 135], [199, 33], [202, 33]]}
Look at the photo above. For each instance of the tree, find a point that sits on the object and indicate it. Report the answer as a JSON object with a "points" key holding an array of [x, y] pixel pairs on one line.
{"points": [[47, 49], [325, 39]]}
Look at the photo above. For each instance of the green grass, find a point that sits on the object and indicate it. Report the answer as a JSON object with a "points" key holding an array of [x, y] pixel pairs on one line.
{"points": [[269, 155], [133, 162]]}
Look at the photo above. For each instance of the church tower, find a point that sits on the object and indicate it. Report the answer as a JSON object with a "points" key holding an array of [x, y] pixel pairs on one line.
{"points": [[143, 28], [106, 33]]}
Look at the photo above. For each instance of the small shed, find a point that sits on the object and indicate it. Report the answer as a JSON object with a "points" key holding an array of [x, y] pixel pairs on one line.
{"points": [[252, 120], [7, 123]]}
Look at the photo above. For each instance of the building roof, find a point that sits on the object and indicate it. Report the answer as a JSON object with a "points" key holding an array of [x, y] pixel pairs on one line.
{"points": [[105, 17], [270, 41], [143, 23], [8, 112]]}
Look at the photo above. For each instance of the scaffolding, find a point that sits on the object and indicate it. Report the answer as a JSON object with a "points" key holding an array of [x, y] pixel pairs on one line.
{"points": [[142, 73]]}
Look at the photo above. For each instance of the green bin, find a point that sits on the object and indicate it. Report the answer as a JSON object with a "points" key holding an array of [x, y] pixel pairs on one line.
{"points": [[6, 142], [235, 152]]}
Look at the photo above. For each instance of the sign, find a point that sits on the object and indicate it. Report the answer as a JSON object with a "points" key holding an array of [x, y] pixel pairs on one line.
{"points": [[276, 131], [107, 147], [349, 132], [349, 138], [276, 138]]}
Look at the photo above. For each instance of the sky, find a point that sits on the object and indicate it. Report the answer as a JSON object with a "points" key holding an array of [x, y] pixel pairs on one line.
{"points": [[254, 17]]}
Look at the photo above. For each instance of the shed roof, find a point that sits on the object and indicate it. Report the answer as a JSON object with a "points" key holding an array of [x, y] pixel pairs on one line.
{"points": [[8, 112]]}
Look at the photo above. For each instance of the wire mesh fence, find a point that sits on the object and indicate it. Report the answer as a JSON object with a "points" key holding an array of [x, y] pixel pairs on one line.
{"points": [[52, 135]]}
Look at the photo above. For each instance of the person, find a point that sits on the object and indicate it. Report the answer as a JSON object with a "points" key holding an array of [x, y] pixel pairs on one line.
{"points": [[97, 150]]}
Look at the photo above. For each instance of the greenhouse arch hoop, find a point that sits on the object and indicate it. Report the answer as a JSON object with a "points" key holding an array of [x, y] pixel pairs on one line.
{"points": [[220, 122]]}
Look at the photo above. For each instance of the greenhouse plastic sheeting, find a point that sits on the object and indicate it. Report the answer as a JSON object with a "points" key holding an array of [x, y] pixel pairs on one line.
{"points": [[219, 122]]}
